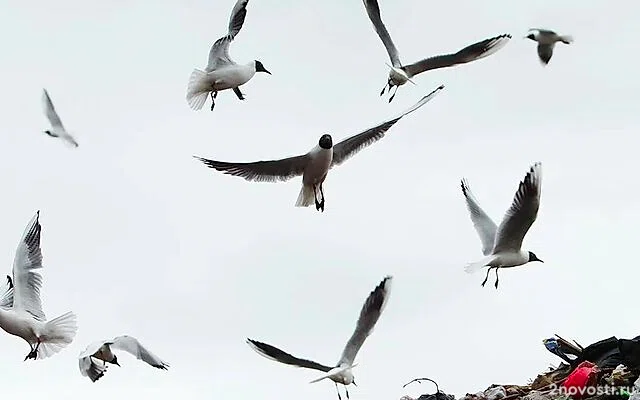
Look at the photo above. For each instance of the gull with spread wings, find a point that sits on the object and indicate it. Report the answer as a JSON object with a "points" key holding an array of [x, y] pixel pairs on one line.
{"points": [[21, 308], [501, 245], [547, 40], [57, 129], [401, 74], [314, 165], [341, 373], [93, 361], [222, 72]]}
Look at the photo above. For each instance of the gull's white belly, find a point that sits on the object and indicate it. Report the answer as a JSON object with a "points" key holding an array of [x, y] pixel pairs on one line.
{"points": [[18, 324], [230, 77], [317, 169], [397, 77], [506, 260]]}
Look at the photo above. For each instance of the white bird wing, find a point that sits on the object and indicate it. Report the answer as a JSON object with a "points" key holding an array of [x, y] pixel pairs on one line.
{"points": [[262, 171], [275, 354], [70, 140], [522, 213], [373, 10], [93, 348], [50, 111], [369, 315], [470, 53], [92, 368], [131, 345], [26, 280], [219, 52], [484, 225], [351, 145], [6, 300]]}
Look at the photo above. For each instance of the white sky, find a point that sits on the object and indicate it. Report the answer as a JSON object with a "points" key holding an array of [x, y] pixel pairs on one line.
{"points": [[139, 238]]}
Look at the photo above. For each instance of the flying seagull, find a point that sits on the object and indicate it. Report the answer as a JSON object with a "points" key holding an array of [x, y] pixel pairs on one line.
{"points": [[222, 72], [57, 130], [314, 165], [341, 373], [93, 361], [25, 317], [546, 42], [501, 245], [400, 74]]}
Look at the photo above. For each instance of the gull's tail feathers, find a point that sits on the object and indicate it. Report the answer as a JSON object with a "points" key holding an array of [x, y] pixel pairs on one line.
{"points": [[334, 371], [306, 197], [476, 266], [566, 39], [57, 334], [198, 89]]}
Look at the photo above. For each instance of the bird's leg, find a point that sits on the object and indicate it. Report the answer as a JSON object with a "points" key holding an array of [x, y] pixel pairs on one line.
{"points": [[315, 197], [238, 93], [213, 102], [346, 391], [497, 278], [384, 88], [322, 201], [338, 390], [393, 95], [486, 277], [33, 354]]}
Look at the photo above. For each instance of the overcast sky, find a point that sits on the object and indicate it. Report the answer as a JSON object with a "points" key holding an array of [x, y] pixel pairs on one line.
{"points": [[139, 238]]}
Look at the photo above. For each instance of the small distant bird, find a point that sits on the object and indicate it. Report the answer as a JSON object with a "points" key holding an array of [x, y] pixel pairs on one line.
{"points": [[502, 245], [341, 373], [222, 72], [401, 74], [23, 316], [89, 360], [57, 130], [546, 42], [314, 165]]}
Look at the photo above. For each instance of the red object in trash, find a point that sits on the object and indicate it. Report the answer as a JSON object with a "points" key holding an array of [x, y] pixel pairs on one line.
{"points": [[581, 379]]}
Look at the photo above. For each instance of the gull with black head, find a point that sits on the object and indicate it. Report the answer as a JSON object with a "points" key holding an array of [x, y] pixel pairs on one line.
{"points": [[401, 74], [222, 72], [314, 165], [57, 130], [501, 245], [341, 373], [547, 40]]}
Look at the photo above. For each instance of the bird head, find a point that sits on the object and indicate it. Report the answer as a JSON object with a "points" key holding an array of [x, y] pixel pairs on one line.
{"points": [[533, 257], [115, 360], [325, 141], [531, 36], [260, 67]]}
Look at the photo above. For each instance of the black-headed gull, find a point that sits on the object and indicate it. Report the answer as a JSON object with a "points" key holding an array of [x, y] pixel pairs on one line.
{"points": [[501, 245], [547, 40], [23, 315], [57, 129], [401, 74], [222, 72], [93, 361], [314, 165], [341, 373]]}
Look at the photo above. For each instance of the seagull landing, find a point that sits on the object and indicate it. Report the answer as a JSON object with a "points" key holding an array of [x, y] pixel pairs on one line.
{"points": [[314, 165], [93, 361], [222, 72], [56, 130], [21, 308], [501, 245], [546, 42], [341, 373], [401, 74]]}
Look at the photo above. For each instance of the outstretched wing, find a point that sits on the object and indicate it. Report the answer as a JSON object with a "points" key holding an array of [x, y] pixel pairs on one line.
{"points": [[470, 53], [373, 10], [262, 171], [522, 213], [27, 281], [275, 354], [350, 146], [131, 345], [219, 52], [50, 110], [6, 299], [369, 315], [484, 225]]}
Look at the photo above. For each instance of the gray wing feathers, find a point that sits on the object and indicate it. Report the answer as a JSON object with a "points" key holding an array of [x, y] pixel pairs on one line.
{"points": [[483, 224], [347, 148], [261, 171], [219, 52], [522, 213], [545, 51], [373, 10], [371, 310], [92, 368], [26, 280], [470, 53], [131, 345], [50, 110], [275, 354]]}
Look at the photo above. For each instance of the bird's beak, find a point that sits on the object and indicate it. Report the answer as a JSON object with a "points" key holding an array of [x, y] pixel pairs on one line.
{"points": [[116, 363], [267, 72], [354, 383]]}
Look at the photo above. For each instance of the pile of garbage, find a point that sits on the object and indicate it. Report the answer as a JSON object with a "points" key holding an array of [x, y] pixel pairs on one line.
{"points": [[605, 370]]}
